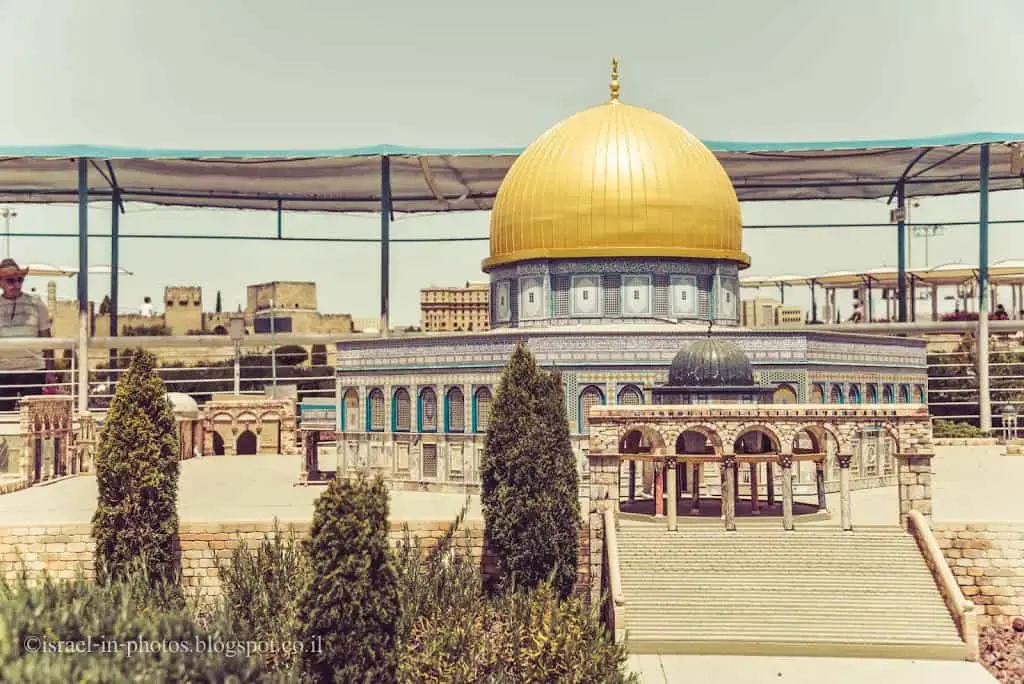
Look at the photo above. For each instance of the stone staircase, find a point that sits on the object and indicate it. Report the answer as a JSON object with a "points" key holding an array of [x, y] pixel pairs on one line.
{"points": [[816, 591]]}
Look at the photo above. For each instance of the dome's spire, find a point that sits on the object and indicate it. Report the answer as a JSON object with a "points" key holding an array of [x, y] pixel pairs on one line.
{"points": [[614, 87]]}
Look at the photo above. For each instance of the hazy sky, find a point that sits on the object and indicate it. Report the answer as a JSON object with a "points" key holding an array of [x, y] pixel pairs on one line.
{"points": [[307, 73]]}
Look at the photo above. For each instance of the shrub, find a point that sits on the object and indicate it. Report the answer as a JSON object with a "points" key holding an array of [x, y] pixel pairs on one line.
{"points": [[260, 589], [349, 604], [453, 632], [157, 330], [530, 486], [292, 355], [954, 429], [137, 477], [130, 630]]}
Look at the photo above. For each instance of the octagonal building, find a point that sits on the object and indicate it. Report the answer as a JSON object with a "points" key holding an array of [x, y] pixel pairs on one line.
{"points": [[615, 242]]}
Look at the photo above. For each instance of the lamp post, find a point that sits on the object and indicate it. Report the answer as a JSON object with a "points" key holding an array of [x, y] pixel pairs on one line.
{"points": [[236, 329]]}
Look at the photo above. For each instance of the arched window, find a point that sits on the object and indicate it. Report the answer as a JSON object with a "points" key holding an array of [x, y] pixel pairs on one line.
{"points": [[922, 395], [854, 394], [401, 411], [375, 410], [887, 395], [588, 397], [872, 394], [817, 394], [630, 395], [835, 396], [482, 401], [428, 410], [904, 394], [784, 394], [454, 411], [350, 411]]}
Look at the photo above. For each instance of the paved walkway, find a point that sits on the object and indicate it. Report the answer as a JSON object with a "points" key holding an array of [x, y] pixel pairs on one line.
{"points": [[222, 488], [673, 669]]}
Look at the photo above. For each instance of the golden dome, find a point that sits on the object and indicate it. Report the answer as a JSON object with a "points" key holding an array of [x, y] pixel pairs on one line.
{"points": [[616, 181]]}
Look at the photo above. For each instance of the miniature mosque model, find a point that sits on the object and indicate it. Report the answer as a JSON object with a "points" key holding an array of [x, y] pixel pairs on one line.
{"points": [[615, 252]]}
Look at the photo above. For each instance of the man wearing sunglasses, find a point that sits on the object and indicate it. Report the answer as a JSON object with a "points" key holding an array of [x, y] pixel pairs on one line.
{"points": [[23, 372]]}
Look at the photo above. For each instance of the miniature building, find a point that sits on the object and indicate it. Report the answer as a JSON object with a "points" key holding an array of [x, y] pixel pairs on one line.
{"points": [[712, 371], [47, 429], [189, 424], [455, 308], [240, 425]]}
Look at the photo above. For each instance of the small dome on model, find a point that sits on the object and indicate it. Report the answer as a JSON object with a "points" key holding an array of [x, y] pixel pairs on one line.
{"points": [[711, 362]]}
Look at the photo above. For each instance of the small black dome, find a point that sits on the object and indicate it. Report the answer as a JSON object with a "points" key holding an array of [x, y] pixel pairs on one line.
{"points": [[711, 362]]}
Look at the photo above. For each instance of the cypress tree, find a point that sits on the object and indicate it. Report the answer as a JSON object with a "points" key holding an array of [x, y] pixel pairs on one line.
{"points": [[217, 306], [136, 519], [349, 607], [530, 485]]}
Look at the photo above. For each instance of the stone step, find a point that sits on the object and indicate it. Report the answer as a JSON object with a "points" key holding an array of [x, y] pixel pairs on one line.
{"points": [[690, 597]]}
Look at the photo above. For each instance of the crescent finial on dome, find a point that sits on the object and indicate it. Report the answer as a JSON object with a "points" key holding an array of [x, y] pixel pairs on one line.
{"points": [[614, 87]]}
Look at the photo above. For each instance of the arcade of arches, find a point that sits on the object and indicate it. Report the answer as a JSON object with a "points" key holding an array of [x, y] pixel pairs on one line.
{"points": [[248, 426], [746, 459]]}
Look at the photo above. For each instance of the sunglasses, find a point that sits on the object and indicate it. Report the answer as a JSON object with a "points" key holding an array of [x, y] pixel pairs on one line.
{"points": [[17, 280]]}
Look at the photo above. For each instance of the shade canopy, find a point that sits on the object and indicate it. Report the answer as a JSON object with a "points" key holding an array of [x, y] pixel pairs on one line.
{"points": [[1001, 273], [439, 180]]}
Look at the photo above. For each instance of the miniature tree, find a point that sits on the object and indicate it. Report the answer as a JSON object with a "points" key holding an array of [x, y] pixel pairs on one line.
{"points": [[217, 305], [529, 487], [349, 605], [136, 517]]}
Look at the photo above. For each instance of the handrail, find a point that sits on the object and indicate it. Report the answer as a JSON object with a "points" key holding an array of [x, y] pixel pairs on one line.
{"points": [[964, 610], [611, 541], [618, 598]]}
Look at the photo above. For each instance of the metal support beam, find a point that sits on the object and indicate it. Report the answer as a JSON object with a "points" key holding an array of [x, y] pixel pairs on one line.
{"points": [[280, 220], [115, 268], [83, 285], [984, 397], [901, 254], [385, 243]]}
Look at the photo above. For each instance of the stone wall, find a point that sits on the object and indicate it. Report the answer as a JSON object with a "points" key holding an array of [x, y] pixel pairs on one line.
{"points": [[987, 560], [66, 550]]}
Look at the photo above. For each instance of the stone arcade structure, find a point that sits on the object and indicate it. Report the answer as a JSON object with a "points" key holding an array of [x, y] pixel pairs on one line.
{"points": [[245, 425], [721, 430]]}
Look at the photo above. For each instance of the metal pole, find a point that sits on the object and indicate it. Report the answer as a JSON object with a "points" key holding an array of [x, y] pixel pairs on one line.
{"points": [[115, 268], [83, 285], [8, 214], [385, 245], [901, 254], [238, 369], [984, 398], [273, 343]]}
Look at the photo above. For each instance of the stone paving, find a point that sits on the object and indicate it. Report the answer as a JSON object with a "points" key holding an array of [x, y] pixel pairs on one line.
{"points": [[679, 669], [221, 488]]}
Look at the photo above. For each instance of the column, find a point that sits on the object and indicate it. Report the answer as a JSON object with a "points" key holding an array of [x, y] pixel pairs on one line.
{"points": [[844, 490], [935, 302], [915, 490], [728, 493], [672, 491], [755, 501], [736, 487], [770, 482], [632, 480], [659, 488], [697, 479], [819, 481], [786, 463]]}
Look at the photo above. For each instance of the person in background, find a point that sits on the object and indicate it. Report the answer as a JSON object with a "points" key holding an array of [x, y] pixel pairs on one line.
{"points": [[147, 309], [1001, 314], [23, 372], [858, 312]]}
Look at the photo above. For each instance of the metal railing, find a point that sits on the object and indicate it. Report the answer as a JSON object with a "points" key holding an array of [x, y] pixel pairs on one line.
{"points": [[261, 365]]}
